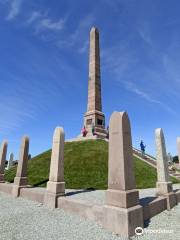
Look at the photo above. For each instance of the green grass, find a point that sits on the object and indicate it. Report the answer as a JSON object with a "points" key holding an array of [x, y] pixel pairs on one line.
{"points": [[86, 166], [145, 175]]}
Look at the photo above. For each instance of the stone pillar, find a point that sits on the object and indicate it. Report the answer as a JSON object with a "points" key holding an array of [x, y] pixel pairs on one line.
{"points": [[3, 160], [94, 117], [20, 181], [163, 185], [56, 184], [10, 162], [178, 148], [94, 87], [122, 212]]}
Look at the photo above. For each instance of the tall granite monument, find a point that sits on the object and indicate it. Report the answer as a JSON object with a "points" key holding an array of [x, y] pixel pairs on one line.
{"points": [[94, 117]]}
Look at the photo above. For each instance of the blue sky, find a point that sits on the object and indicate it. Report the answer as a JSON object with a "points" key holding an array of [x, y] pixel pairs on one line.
{"points": [[44, 67]]}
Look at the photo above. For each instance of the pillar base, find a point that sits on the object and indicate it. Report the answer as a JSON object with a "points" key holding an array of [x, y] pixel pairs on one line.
{"points": [[123, 221], [56, 187], [2, 178], [171, 200], [16, 190], [163, 188], [51, 199], [122, 199], [20, 181], [54, 190]]}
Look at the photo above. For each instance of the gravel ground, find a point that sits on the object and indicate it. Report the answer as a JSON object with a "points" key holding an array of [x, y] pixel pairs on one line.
{"points": [[97, 197], [26, 220], [22, 219]]}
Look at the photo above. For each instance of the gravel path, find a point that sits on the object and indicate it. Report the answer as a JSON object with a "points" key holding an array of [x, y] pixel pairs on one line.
{"points": [[22, 219], [97, 197], [26, 220]]}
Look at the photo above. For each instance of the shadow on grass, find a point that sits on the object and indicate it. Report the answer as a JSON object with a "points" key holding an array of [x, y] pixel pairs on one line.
{"points": [[40, 183]]}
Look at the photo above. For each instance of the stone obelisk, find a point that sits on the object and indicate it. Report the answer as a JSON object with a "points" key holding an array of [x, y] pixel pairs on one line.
{"points": [[94, 117]]}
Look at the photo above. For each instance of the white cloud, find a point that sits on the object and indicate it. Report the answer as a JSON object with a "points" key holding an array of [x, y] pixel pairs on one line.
{"points": [[84, 24], [49, 24], [119, 61], [145, 35], [79, 36], [15, 6], [33, 17], [131, 87], [13, 112]]}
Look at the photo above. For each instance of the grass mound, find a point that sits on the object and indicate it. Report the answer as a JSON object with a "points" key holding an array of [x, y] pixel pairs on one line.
{"points": [[85, 166]]}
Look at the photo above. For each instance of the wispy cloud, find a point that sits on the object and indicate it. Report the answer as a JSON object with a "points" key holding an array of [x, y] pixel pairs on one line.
{"points": [[45, 27], [118, 59], [49, 24], [41, 22], [41, 82], [83, 25], [14, 112], [122, 63], [131, 87], [79, 36], [35, 15], [15, 6], [145, 34]]}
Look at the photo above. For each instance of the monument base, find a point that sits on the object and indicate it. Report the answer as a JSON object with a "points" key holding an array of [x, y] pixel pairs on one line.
{"points": [[54, 190], [95, 119], [171, 200], [56, 187], [122, 199], [79, 138], [19, 182], [123, 221], [16, 190], [163, 188], [51, 199], [2, 178]]}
